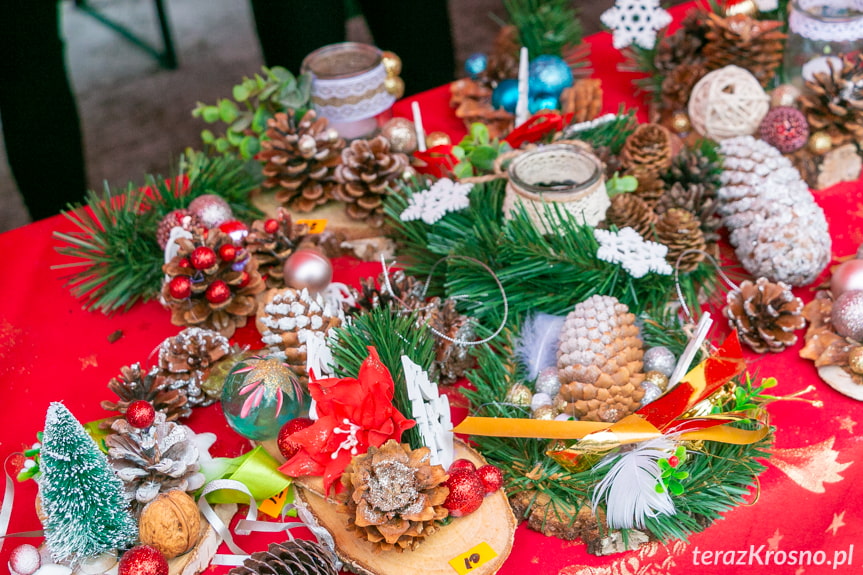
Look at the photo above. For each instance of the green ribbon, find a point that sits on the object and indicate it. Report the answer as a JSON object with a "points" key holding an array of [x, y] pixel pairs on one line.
{"points": [[257, 470]]}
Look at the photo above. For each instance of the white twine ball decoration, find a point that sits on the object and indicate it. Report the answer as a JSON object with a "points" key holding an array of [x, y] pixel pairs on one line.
{"points": [[728, 102]]}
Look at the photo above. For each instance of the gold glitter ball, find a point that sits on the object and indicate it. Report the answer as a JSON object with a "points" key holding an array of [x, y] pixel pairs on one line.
{"points": [[519, 395], [401, 134], [820, 142], [392, 63], [784, 95], [559, 403], [680, 122], [657, 378], [395, 86], [437, 139], [546, 412], [855, 360]]}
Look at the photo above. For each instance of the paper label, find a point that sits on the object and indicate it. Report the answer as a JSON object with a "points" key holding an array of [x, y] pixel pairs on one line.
{"points": [[273, 506], [473, 558], [315, 226]]}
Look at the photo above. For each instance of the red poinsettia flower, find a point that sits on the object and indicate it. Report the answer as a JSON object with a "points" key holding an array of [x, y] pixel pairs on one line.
{"points": [[353, 415]]}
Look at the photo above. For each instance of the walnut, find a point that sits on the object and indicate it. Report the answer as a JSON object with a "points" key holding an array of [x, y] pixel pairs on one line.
{"points": [[171, 523]]}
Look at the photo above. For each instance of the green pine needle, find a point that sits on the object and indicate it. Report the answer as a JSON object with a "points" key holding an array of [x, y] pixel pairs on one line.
{"points": [[394, 334], [611, 135], [548, 27]]}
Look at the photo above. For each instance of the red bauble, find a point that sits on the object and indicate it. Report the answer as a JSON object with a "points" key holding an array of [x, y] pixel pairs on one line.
{"points": [[287, 447], [465, 493], [271, 226], [143, 560], [180, 287], [673, 461], [203, 258], [460, 464], [184, 263], [785, 128], [227, 252], [218, 292], [140, 414], [491, 477], [236, 229], [245, 278]]}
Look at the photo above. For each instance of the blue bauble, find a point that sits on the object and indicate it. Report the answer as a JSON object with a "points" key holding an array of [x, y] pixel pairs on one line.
{"points": [[538, 102], [549, 75], [506, 95], [260, 395], [475, 64]]}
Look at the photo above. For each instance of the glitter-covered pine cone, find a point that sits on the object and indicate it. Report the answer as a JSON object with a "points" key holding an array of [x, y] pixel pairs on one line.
{"points": [[394, 497], [294, 557], [185, 361], [630, 211], [271, 241], [220, 297], [833, 100], [753, 44], [301, 155], [765, 314], [680, 230], [600, 361], [288, 318], [134, 383], [367, 171], [153, 460]]}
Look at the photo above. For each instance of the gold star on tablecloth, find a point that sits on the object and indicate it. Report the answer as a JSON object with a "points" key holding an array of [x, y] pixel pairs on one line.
{"points": [[773, 542], [837, 523], [847, 424], [88, 361]]}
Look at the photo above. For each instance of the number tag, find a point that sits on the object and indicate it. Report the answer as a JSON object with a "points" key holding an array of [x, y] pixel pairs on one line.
{"points": [[473, 558], [315, 226]]}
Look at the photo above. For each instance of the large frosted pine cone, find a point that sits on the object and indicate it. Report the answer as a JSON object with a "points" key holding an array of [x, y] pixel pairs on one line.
{"points": [[765, 314], [288, 318], [296, 557], [778, 230], [394, 496], [600, 361]]}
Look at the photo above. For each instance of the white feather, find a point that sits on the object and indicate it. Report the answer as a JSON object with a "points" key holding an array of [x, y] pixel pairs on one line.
{"points": [[629, 487], [536, 346]]}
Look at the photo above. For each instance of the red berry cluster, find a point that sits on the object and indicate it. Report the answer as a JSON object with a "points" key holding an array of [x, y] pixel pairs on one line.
{"points": [[469, 485]]}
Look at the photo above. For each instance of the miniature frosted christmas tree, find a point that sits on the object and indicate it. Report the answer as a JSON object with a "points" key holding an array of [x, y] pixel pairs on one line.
{"points": [[87, 513]]}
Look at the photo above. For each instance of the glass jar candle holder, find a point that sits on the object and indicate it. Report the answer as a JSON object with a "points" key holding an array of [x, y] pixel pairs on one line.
{"points": [[349, 87], [820, 32], [557, 176]]}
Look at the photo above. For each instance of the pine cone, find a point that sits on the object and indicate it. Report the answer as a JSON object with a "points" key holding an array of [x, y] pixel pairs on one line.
{"points": [[498, 122], [694, 166], [301, 156], [630, 211], [680, 230], [503, 59], [699, 200], [647, 150], [583, 100], [685, 45], [185, 361], [467, 89], [221, 297], [366, 172], [394, 498], [746, 42], [833, 101], [808, 164], [154, 460], [765, 314], [135, 384], [650, 185], [404, 290], [599, 361], [295, 557], [288, 318], [271, 250], [778, 230], [678, 84]]}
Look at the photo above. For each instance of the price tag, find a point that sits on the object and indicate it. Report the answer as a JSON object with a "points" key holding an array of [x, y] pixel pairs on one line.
{"points": [[273, 506], [473, 558], [315, 226]]}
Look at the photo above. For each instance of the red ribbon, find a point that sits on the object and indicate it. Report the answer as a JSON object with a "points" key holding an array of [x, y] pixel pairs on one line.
{"points": [[537, 127]]}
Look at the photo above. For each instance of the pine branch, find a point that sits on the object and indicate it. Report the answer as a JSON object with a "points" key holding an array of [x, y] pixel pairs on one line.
{"points": [[611, 135], [394, 334], [547, 27]]}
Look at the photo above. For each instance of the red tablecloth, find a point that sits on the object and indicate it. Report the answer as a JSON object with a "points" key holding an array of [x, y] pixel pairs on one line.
{"points": [[51, 349]]}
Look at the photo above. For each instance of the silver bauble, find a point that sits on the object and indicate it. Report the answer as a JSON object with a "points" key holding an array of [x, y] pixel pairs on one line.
{"points": [[659, 359], [651, 392], [847, 276], [547, 382], [308, 268], [847, 315], [539, 400]]}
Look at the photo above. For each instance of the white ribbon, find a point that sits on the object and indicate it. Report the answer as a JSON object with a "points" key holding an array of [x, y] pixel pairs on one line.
{"points": [[6, 508]]}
